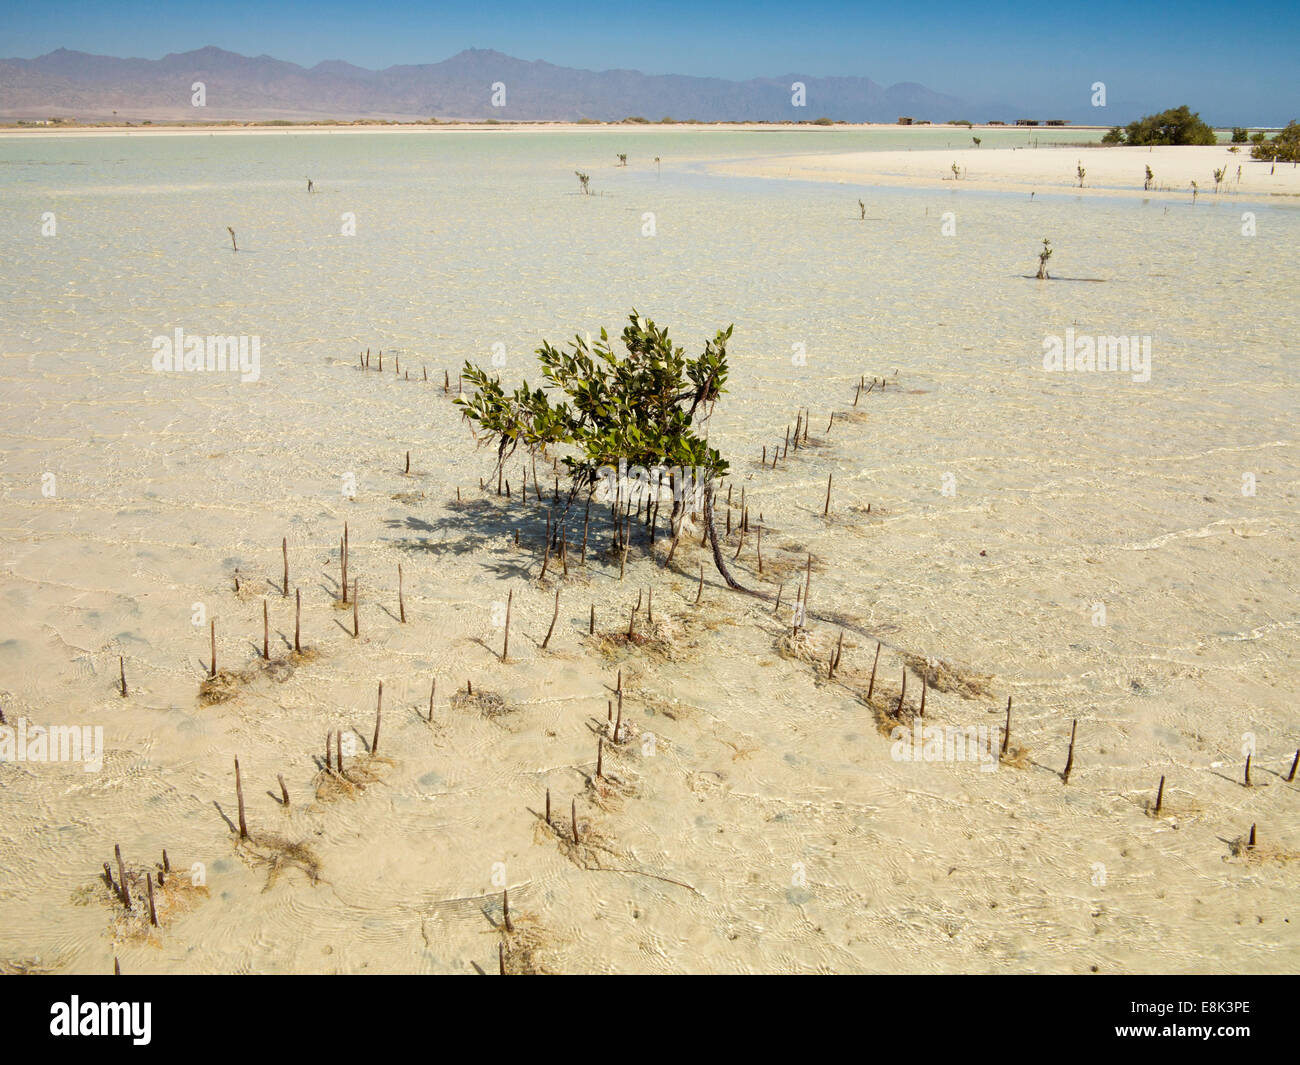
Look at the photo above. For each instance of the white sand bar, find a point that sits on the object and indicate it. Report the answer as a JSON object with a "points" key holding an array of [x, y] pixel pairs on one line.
{"points": [[1109, 171]]}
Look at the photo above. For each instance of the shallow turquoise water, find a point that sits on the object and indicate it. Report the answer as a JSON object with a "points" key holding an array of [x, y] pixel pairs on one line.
{"points": [[466, 240]]}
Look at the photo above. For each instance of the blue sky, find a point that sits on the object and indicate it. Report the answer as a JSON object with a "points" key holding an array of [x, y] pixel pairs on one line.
{"points": [[1227, 60]]}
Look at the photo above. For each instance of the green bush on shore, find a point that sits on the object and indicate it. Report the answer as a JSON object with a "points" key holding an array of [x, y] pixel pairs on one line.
{"points": [[1178, 125], [1282, 148]]}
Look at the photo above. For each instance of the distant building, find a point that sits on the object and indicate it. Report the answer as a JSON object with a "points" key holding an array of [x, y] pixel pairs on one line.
{"points": [[1058, 122], [1026, 122], [904, 120]]}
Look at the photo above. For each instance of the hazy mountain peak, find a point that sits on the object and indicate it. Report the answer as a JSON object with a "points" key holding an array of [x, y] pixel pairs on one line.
{"points": [[90, 87]]}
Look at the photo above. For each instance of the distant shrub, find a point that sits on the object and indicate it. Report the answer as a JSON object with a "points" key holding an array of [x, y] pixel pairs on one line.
{"points": [[1238, 135], [1178, 125], [961, 122], [823, 121], [1114, 135], [637, 120], [667, 120], [1282, 148]]}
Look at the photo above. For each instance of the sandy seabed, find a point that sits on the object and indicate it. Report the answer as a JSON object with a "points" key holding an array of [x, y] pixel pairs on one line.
{"points": [[1084, 544]]}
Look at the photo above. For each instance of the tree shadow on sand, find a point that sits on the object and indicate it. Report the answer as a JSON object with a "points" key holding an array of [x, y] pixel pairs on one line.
{"points": [[473, 525]]}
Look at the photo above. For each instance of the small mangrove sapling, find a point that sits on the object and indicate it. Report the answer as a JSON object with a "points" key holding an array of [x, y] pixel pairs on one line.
{"points": [[1043, 256], [647, 409]]}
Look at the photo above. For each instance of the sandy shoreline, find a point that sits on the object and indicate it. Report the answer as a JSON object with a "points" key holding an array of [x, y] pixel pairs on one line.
{"points": [[510, 127], [1109, 171]]}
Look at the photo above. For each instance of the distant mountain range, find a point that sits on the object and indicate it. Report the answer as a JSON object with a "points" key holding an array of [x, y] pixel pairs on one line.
{"points": [[94, 88]]}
